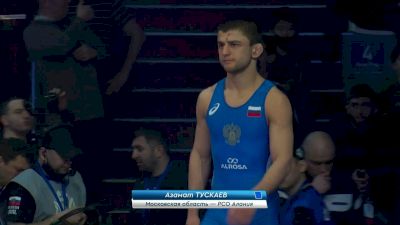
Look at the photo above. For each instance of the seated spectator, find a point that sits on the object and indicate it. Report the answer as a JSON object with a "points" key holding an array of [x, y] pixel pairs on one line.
{"points": [[365, 142], [352, 131], [304, 205], [15, 119], [319, 155], [160, 172], [338, 187], [15, 157], [50, 189]]}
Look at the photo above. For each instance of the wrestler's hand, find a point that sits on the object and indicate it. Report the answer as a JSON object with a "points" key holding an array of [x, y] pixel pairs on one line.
{"points": [[322, 183], [240, 216], [84, 53], [193, 221], [192, 218]]}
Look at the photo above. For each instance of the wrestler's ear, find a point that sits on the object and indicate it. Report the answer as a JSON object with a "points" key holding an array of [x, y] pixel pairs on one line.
{"points": [[257, 50]]}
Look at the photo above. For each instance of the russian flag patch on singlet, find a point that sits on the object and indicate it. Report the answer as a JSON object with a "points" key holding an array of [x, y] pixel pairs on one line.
{"points": [[254, 111]]}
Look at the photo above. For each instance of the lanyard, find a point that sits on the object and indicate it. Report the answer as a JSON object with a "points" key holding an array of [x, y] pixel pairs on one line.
{"points": [[63, 189]]}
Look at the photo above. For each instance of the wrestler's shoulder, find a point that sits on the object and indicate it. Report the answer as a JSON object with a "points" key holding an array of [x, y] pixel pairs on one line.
{"points": [[206, 93]]}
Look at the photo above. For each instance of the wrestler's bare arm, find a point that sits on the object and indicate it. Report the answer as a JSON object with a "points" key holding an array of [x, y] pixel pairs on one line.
{"points": [[200, 157], [279, 117]]}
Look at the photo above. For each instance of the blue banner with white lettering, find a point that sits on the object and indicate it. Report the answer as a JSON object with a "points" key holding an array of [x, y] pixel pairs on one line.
{"points": [[198, 195]]}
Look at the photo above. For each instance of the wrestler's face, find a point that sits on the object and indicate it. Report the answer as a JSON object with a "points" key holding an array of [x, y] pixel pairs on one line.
{"points": [[234, 51], [17, 118], [144, 154]]}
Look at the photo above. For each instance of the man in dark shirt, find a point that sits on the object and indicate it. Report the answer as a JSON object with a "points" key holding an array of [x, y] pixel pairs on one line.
{"points": [[160, 172], [122, 36]]}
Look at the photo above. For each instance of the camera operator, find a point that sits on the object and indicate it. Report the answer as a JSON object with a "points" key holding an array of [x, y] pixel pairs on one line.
{"points": [[45, 193]]}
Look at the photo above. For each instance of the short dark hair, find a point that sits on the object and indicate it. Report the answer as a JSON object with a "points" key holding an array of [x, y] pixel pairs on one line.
{"points": [[362, 90], [153, 137], [248, 28], [4, 105], [10, 148]]}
